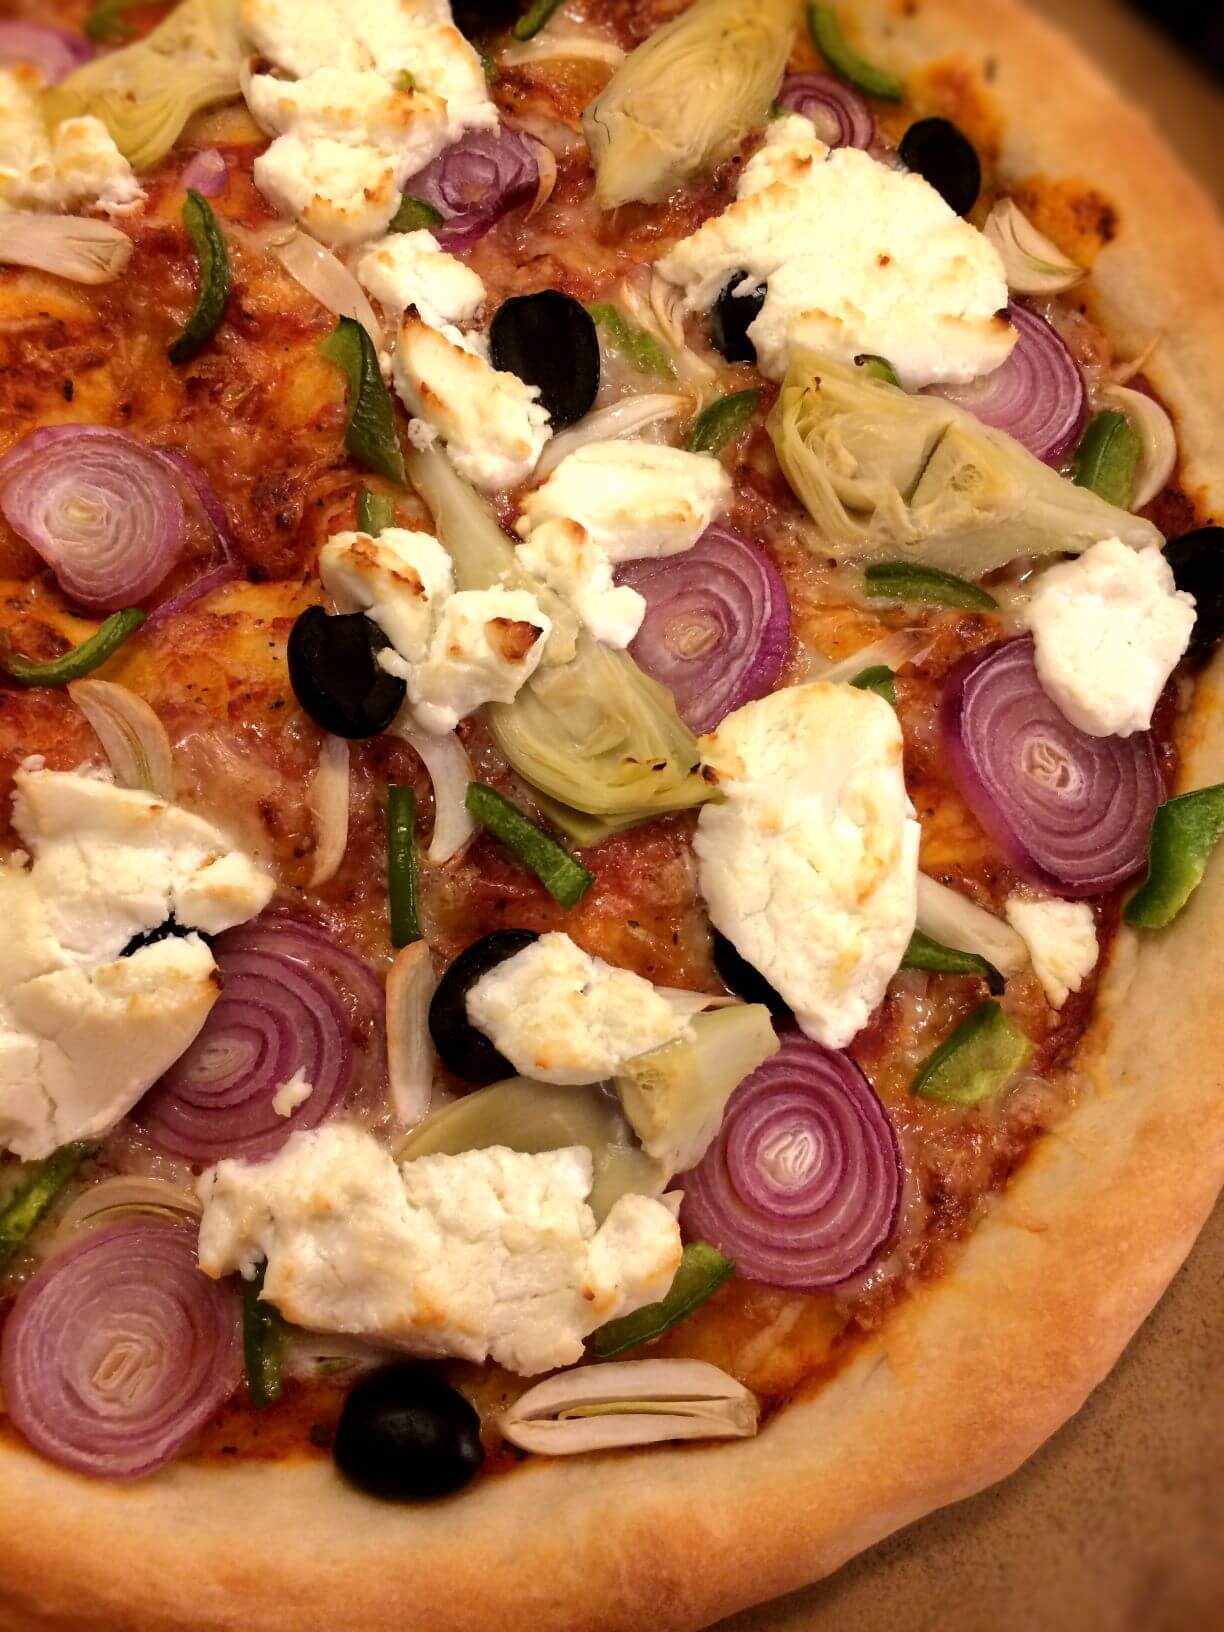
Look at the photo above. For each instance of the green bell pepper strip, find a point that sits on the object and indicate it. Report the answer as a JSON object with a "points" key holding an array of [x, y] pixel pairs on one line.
{"points": [[414, 213], [491, 71], [641, 349], [879, 368], [716, 425], [213, 259], [703, 1269], [263, 1343], [81, 660], [402, 867], [375, 512], [924, 953], [34, 1196], [1107, 458], [533, 20], [1184, 833], [880, 679], [906, 581], [981, 1057], [371, 437], [106, 23], [565, 879], [827, 33]]}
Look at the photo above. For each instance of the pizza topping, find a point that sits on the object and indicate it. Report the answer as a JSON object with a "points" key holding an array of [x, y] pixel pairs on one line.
{"points": [[548, 339], [880, 679], [639, 347], [133, 738], [76, 247], [562, 555], [411, 984], [906, 581], [1197, 560], [1034, 265], [1184, 833], [410, 269], [977, 1061], [1071, 811], [371, 436], [827, 33], [336, 677], [206, 172], [1157, 439], [461, 1048], [55, 52], [414, 214], [375, 512], [948, 917], [474, 182], [733, 313], [1107, 460], [1062, 941], [936, 150], [119, 1351], [212, 258], [565, 879], [34, 1196], [721, 421], [802, 1186], [405, 1436], [80, 661], [925, 953], [841, 118], [123, 1197], [57, 163], [450, 771], [403, 908], [738, 976], [716, 630], [400, 580], [703, 1269], [630, 1402], [263, 1341]]}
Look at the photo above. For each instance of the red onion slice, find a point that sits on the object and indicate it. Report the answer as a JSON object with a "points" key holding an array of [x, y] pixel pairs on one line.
{"points": [[1038, 395], [475, 181], [206, 173], [1072, 812], [802, 1186], [717, 625], [841, 117], [229, 568], [55, 52], [120, 1350]]}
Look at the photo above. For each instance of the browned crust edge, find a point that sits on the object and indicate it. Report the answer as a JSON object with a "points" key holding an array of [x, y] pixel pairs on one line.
{"points": [[969, 1378]]}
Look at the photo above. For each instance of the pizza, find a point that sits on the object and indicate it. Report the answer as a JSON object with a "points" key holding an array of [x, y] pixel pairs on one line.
{"points": [[609, 756]]}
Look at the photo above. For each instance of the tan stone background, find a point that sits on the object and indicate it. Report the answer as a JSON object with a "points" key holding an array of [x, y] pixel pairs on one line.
{"points": [[1117, 1524]]}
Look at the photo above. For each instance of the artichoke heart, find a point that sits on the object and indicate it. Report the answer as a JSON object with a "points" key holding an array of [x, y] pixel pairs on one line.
{"points": [[686, 98], [889, 476], [145, 93]]}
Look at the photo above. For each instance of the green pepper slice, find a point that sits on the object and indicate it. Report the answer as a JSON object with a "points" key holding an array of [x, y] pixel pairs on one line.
{"points": [[413, 214], [213, 259], [375, 512], [565, 879], [642, 349], [880, 679], [533, 20], [263, 1343], [371, 437], [106, 23], [878, 368], [1184, 833], [981, 1056], [703, 1269], [1108, 457], [402, 867], [906, 581], [925, 953], [716, 425], [490, 69], [81, 660], [35, 1195], [827, 33]]}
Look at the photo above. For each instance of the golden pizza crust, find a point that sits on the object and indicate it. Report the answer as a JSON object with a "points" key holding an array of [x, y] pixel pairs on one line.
{"points": [[970, 1376]]}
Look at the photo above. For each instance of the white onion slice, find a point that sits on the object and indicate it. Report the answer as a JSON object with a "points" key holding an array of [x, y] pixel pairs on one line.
{"points": [[450, 771], [327, 278], [411, 985], [123, 1196], [546, 164], [620, 419], [659, 312], [551, 44], [329, 804], [68, 246], [1032, 264], [1157, 440], [132, 736], [953, 920], [903, 646]]}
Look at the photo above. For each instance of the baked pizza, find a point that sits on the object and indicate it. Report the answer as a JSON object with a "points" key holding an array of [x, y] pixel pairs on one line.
{"points": [[609, 758]]}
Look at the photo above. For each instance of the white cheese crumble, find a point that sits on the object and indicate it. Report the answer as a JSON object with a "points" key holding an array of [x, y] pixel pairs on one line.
{"points": [[857, 257], [810, 865], [488, 1255], [63, 167], [1062, 941], [409, 269], [291, 1095], [400, 579], [562, 1016], [562, 555], [1109, 628], [340, 193], [84, 1032]]}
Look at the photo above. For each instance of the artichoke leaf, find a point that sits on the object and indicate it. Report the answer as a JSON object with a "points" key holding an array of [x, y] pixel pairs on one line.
{"points": [[887, 476], [686, 98]]}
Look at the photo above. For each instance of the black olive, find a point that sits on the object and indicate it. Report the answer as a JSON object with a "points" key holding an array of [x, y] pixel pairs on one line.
{"points": [[730, 318], [461, 1048], [334, 672], [549, 340], [939, 153], [740, 977], [405, 1436], [475, 18], [164, 932], [1197, 560]]}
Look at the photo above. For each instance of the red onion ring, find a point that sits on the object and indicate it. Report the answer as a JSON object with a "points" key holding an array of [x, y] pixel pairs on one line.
{"points": [[206, 173], [841, 117], [717, 625], [55, 52], [228, 569], [120, 1350], [802, 1186], [1037, 396], [475, 181], [1072, 812]]}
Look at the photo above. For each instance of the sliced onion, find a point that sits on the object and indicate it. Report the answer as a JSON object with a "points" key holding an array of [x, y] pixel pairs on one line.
{"points": [[546, 160], [206, 173], [1031, 263], [326, 277], [475, 181], [133, 739], [411, 985], [717, 625], [450, 771], [1037, 396], [329, 804], [120, 1350], [802, 1186], [891, 652], [55, 52], [126, 1196], [229, 568], [841, 117], [75, 247], [951, 918], [618, 420], [1157, 440], [1072, 812], [552, 44]]}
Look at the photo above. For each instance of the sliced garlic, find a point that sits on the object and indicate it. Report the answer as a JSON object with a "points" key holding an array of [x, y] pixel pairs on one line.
{"points": [[634, 1402], [1032, 264], [1157, 440]]}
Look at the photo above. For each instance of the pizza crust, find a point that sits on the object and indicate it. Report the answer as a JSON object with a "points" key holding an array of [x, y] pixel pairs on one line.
{"points": [[970, 1376]]}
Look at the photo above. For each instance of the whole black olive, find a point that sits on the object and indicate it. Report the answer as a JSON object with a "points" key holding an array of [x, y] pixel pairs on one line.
{"points": [[740, 977], [549, 340], [334, 672], [461, 1048], [1197, 560], [938, 152], [405, 1436], [730, 318]]}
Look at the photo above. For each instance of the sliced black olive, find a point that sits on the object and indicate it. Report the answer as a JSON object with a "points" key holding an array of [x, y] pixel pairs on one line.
{"points": [[476, 18], [740, 977], [334, 672], [730, 318], [405, 1436], [461, 1048], [1197, 560], [549, 340], [938, 152], [163, 932]]}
